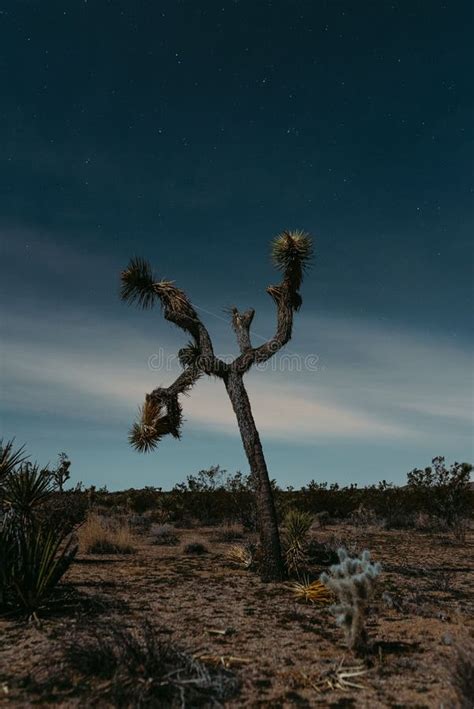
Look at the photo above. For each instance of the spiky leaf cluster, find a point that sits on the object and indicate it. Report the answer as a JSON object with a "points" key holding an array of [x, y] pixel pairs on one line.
{"points": [[189, 355], [27, 487], [311, 591], [292, 252], [158, 418], [352, 581], [296, 536], [138, 283], [10, 458]]}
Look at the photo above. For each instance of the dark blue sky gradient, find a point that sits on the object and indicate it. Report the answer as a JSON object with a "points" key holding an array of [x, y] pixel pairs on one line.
{"points": [[190, 133]]}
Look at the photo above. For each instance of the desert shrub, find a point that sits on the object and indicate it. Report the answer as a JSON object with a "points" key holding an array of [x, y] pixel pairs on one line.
{"points": [[462, 675], [99, 536], [352, 581], [228, 533], [363, 517], [195, 548], [321, 553], [138, 668], [445, 493], [164, 535], [140, 523], [140, 501], [460, 529], [322, 519], [65, 510], [213, 497], [296, 527]]}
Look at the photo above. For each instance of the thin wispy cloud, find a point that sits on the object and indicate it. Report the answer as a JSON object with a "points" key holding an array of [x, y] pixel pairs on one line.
{"points": [[369, 382]]}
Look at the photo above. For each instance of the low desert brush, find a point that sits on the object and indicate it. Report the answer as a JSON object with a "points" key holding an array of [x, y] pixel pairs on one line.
{"points": [[98, 536], [164, 535], [228, 533], [110, 665], [462, 675], [195, 548]]}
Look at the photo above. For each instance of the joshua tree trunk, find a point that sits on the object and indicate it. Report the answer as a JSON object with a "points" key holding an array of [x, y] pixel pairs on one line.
{"points": [[161, 411], [271, 563]]}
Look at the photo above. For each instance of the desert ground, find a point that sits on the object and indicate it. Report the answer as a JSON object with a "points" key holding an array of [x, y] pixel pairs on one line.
{"points": [[271, 649]]}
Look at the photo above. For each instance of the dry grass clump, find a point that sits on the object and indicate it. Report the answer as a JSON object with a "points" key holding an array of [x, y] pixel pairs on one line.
{"points": [[100, 536], [164, 535], [228, 533], [240, 555], [115, 666], [311, 591], [462, 675]]}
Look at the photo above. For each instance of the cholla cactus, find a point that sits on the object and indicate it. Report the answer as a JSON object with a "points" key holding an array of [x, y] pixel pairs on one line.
{"points": [[352, 581]]}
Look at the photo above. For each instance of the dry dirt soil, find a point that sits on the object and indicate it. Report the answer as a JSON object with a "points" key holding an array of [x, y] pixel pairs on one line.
{"points": [[287, 650]]}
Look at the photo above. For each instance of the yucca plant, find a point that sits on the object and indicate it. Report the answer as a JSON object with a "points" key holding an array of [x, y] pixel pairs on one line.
{"points": [[36, 560], [27, 487], [161, 415], [296, 526], [8, 556], [35, 550], [9, 459]]}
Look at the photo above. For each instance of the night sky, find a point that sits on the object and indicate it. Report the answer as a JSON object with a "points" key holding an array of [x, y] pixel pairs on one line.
{"points": [[191, 133]]}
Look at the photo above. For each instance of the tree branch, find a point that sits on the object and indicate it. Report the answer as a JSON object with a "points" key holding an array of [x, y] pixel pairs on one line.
{"points": [[178, 309], [284, 298], [292, 252], [161, 414], [241, 323]]}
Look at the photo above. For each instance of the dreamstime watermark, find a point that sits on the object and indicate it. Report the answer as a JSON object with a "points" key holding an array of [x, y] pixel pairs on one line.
{"points": [[166, 362]]}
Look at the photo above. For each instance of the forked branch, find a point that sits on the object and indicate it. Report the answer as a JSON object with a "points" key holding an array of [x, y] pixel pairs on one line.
{"points": [[292, 252]]}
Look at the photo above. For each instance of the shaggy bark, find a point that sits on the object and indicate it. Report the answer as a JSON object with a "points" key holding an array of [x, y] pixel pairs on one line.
{"points": [[271, 563]]}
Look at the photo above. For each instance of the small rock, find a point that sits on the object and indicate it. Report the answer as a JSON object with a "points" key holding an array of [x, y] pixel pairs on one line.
{"points": [[447, 639]]}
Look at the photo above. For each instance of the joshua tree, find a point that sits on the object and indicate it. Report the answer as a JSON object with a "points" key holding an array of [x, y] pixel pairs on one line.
{"points": [[161, 412], [60, 475]]}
